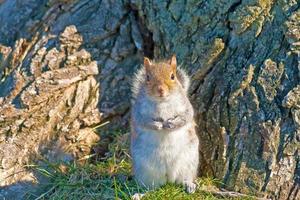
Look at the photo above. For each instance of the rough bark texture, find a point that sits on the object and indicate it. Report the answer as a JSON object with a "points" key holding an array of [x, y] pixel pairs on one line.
{"points": [[244, 57]]}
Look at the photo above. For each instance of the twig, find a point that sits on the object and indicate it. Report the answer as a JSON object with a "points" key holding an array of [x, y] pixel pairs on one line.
{"points": [[44, 194], [100, 125], [226, 193]]}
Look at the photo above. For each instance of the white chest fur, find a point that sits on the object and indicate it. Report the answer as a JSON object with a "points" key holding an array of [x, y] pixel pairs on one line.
{"points": [[161, 157], [165, 109]]}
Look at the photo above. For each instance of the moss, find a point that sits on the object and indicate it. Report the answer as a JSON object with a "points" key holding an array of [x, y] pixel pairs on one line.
{"points": [[269, 78], [252, 12], [245, 82], [250, 177], [215, 49]]}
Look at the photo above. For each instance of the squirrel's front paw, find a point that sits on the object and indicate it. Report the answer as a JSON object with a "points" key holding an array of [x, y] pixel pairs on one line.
{"points": [[169, 125], [173, 123], [190, 187], [157, 125]]}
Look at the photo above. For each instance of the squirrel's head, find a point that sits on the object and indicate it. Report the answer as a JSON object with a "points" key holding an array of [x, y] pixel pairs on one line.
{"points": [[161, 79]]}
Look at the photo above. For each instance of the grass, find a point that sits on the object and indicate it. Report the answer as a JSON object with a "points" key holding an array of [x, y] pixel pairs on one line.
{"points": [[107, 178]]}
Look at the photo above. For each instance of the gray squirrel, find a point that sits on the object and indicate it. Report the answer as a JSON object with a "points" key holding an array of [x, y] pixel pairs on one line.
{"points": [[164, 144]]}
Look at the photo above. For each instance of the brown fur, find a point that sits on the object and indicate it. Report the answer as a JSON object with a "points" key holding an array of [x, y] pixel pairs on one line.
{"points": [[160, 83]]}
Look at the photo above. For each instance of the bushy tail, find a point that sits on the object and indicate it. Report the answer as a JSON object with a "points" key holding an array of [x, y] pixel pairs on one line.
{"points": [[137, 81], [183, 78]]}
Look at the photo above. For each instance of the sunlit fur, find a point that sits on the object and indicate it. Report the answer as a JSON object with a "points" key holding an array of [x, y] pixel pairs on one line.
{"points": [[160, 78], [161, 156]]}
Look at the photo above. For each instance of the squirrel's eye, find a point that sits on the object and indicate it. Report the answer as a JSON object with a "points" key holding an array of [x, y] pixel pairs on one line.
{"points": [[172, 76], [148, 78]]}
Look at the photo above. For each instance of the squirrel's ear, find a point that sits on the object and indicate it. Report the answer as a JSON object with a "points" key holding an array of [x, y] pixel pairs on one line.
{"points": [[147, 63], [173, 62]]}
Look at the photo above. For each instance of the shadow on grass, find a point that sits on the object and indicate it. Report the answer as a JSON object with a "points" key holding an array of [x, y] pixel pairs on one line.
{"points": [[105, 177], [108, 177]]}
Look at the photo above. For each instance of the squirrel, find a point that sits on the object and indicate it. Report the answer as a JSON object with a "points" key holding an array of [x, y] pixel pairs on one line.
{"points": [[164, 143]]}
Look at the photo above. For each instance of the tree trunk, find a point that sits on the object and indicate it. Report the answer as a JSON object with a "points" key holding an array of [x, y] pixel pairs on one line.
{"points": [[243, 56]]}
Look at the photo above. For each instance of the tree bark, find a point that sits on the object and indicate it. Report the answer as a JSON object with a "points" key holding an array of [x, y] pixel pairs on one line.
{"points": [[243, 56]]}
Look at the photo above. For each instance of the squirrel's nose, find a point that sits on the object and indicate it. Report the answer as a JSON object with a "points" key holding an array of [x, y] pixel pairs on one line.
{"points": [[161, 91]]}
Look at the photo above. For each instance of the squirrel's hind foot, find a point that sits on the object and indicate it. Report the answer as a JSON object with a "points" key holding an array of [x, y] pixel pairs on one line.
{"points": [[137, 196], [190, 187]]}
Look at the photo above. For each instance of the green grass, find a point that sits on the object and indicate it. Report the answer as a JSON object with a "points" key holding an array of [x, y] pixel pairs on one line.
{"points": [[109, 178]]}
